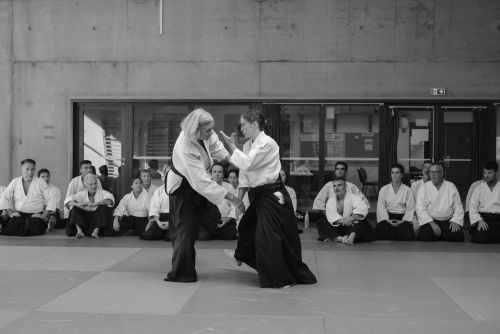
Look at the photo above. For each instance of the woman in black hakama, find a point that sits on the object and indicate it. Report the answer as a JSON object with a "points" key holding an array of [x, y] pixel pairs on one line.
{"points": [[268, 234]]}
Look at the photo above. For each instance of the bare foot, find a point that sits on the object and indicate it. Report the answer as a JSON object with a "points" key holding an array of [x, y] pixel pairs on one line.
{"points": [[349, 240], [79, 235], [230, 253], [339, 239], [95, 234]]}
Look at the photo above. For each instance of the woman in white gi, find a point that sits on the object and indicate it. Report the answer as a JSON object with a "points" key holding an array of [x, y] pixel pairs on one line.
{"points": [[268, 235], [192, 191], [131, 214], [395, 209]]}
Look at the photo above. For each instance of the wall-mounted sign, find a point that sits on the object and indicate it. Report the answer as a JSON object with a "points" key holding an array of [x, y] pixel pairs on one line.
{"points": [[438, 91]]}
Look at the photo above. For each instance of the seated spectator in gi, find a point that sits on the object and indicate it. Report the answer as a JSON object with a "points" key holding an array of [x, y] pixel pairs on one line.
{"points": [[105, 179], [90, 211], [131, 214], [425, 177], [233, 179], [157, 227], [345, 217], [77, 183], [54, 217], [395, 209], [145, 175], [226, 216], [156, 177], [484, 209], [439, 209], [26, 203], [327, 191]]}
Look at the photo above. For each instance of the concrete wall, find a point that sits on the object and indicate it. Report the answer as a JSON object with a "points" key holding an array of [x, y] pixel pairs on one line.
{"points": [[229, 48]]}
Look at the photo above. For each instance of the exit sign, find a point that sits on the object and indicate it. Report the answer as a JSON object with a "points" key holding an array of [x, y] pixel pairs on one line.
{"points": [[438, 91]]}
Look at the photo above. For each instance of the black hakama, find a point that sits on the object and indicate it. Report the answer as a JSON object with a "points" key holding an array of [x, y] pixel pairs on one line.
{"points": [[101, 218], [426, 232], [24, 225], [402, 232], [212, 218], [154, 232], [269, 239], [492, 234], [187, 208], [364, 231], [131, 225]]}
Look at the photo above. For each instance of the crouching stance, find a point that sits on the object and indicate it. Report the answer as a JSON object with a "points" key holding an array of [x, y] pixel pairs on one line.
{"points": [[345, 217], [90, 211]]}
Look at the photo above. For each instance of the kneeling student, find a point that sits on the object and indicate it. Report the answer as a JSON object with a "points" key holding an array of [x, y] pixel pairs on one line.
{"points": [[395, 209], [484, 209], [131, 214], [345, 217]]}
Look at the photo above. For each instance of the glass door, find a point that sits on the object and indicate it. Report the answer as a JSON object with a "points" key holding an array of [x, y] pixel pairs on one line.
{"points": [[415, 139]]}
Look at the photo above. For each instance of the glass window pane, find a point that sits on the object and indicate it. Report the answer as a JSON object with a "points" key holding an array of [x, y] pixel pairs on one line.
{"points": [[156, 129], [352, 136], [414, 142], [102, 143], [299, 151]]}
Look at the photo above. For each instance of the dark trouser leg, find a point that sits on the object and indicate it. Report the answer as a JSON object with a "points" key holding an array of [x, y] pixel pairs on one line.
{"points": [[405, 232], [245, 248], [492, 234], [480, 237], [448, 235], [34, 226], [102, 218], [132, 224], [364, 231], [385, 231], [227, 232], [183, 228], [208, 223], [81, 218], [326, 230], [426, 233], [14, 225]]}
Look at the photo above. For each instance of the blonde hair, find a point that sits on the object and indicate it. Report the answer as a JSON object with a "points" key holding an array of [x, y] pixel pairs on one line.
{"points": [[194, 120]]}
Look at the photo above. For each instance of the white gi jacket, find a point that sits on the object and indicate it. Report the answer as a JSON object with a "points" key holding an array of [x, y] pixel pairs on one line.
{"points": [[484, 200], [193, 162], [33, 201], [159, 203], [151, 190], [353, 204], [83, 197], [131, 206], [442, 204], [327, 191], [259, 163]]}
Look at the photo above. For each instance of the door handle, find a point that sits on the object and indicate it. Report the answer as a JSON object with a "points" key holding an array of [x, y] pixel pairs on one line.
{"points": [[446, 161]]}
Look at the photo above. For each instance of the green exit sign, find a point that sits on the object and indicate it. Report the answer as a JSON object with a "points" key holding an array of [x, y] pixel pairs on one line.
{"points": [[438, 91]]}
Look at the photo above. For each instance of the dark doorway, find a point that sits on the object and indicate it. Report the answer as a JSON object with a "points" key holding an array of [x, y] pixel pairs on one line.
{"points": [[458, 155]]}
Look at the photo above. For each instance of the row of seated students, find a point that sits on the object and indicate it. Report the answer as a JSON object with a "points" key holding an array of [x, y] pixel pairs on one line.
{"points": [[30, 206], [431, 210]]}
